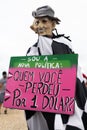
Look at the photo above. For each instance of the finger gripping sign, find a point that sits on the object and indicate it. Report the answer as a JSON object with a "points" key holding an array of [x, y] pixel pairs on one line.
{"points": [[42, 83]]}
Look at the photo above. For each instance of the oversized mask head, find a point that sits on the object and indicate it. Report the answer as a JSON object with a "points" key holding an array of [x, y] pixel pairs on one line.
{"points": [[45, 21], [43, 26]]}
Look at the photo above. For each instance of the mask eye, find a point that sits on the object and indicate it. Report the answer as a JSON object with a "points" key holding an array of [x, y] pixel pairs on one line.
{"points": [[37, 22], [44, 21]]}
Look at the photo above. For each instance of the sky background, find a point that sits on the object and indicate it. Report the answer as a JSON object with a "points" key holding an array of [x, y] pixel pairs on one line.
{"points": [[16, 36]]}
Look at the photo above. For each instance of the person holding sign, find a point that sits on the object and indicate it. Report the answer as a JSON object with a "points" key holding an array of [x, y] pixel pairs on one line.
{"points": [[50, 43], [2, 90]]}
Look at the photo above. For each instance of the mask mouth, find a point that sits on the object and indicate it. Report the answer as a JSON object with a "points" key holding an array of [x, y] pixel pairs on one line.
{"points": [[40, 30]]}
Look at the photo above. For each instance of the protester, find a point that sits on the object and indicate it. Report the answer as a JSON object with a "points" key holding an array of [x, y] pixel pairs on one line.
{"points": [[49, 43], [2, 89]]}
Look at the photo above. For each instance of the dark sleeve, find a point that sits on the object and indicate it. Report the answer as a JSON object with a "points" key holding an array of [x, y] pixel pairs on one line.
{"points": [[69, 50], [29, 114], [80, 94], [80, 97]]}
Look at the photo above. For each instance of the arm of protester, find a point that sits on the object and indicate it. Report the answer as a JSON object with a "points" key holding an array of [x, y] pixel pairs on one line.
{"points": [[1, 85]]}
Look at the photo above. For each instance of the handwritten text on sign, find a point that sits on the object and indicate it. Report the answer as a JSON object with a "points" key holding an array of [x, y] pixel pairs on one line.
{"points": [[41, 89]]}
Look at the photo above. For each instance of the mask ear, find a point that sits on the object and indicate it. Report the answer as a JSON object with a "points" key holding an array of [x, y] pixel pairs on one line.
{"points": [[53, 25]]}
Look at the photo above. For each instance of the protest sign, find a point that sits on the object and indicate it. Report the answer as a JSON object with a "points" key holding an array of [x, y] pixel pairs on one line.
{"points": [[42, 83]]}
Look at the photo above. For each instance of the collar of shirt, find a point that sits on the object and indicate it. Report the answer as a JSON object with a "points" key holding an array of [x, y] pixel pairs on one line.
{"points": [[45, 45]]}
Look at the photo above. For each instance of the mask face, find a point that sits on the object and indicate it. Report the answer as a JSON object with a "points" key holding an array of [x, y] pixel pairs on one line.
{"points": [[43, 26]]}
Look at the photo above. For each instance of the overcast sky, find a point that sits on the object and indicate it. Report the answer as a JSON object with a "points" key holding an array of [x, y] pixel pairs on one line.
{"points": [[16, 36]]}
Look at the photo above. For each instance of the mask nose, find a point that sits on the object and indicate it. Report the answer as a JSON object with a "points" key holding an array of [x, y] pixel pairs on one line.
{"points": [[40, 25]]}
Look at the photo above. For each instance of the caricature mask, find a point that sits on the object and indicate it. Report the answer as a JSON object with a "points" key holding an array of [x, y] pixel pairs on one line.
{"points": [[43, 26]]}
